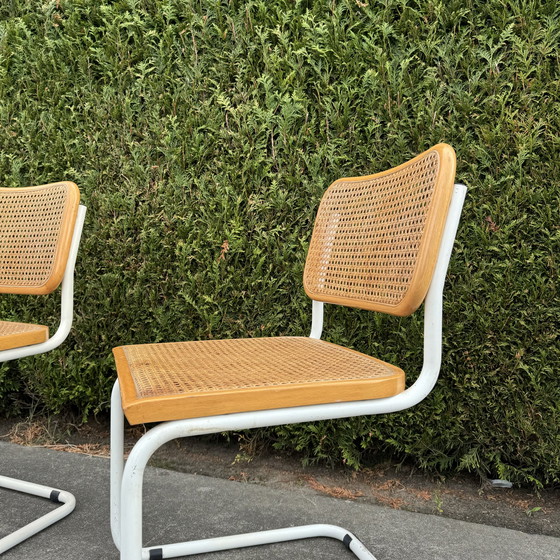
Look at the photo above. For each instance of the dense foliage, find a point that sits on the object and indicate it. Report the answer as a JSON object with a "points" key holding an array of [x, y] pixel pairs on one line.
{"points": [[202, 135]]}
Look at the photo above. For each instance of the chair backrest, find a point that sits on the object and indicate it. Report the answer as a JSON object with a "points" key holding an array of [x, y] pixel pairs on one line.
{"points": [[376, 238], [36, 227]]}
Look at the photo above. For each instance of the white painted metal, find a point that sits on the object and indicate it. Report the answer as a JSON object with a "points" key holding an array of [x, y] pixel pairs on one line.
{"points": [[126, 484], [65, 498], [317, 319], [260, 538], [66, 315], [117, 462]]}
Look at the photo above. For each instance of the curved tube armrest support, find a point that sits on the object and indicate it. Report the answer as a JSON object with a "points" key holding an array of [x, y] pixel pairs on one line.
{"points": [[433, 304], [433, 310]]}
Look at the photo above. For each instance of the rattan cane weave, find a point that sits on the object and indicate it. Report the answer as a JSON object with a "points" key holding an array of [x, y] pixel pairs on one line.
{"points": [[376, 238], [177, 380], [36, 226], [16, 335]]}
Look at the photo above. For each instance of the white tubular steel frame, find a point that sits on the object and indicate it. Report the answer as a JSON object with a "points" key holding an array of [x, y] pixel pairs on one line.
{"points": [[126, 480], [67, 500]]}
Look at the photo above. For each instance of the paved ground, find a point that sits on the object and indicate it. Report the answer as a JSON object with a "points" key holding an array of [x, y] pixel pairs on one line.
{"points": [[179, 506]]}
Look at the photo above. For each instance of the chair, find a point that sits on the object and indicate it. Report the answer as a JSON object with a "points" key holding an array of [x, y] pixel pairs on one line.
{"points": [[380, 242], [40, 230]]}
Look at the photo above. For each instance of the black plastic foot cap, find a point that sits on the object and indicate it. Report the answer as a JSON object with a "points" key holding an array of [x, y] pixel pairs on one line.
{"points": [[54, 497], [346, 541]]}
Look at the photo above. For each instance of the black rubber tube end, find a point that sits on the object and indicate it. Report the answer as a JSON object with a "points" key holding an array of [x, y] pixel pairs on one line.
{"points": [[346, 541], [54, 497]]}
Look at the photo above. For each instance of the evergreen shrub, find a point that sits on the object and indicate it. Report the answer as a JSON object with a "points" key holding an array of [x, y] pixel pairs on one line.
{"points": [[202, 135]]}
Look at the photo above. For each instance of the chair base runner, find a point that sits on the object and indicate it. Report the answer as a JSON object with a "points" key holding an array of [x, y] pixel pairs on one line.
{"points": [[126, 494], [349, 540], [57, 496]]}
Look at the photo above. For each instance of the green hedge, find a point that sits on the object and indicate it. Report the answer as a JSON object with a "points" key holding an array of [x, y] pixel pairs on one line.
{"points": [[202, 135]]}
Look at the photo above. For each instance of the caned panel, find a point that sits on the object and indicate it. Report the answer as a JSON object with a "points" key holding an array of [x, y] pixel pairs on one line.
{"points": [[36, 227], [376, 238], [168, 381]]}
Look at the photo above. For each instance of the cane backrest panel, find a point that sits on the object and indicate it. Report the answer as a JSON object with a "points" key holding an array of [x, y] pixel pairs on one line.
{"points": [[36, 227], [376, 238]]}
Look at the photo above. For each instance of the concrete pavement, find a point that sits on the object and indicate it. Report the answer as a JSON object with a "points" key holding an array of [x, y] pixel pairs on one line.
{"points": [[181, 506]]}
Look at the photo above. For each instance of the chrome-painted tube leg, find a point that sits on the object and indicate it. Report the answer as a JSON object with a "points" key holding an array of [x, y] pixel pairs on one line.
{"points": [[67, 501], [117, 462]]}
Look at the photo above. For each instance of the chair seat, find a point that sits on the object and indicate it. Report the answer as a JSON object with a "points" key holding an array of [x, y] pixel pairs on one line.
{"points": [[177, 380], [16, 335]]}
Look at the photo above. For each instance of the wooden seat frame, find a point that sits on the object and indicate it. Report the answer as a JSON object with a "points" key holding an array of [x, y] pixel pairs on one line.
{"points": [[65, 263], [126, 480]]}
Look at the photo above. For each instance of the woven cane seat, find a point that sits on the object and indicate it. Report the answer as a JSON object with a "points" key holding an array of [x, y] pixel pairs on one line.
{"points": [[171, 381], [16, 335], [376, 238], [36, 227]]}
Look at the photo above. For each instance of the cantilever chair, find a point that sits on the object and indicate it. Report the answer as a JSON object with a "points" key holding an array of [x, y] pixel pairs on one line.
{"points": [[40, 230], [380, 242]]}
